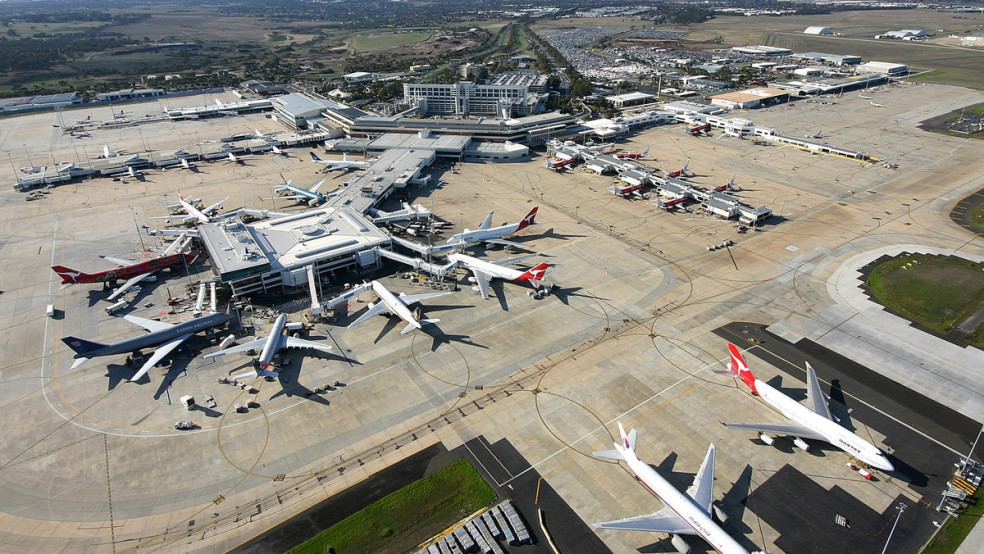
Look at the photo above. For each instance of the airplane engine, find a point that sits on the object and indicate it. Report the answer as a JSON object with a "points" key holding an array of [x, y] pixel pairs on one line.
{"points": [[477, 289], [680, 544], [801, 444], [472, 280], [227, 342], [764, 437], [719, 514]]}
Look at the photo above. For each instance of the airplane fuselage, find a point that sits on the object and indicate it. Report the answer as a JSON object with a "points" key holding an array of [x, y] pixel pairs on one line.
{"points": [[834, 433], [480, 235], [395, 305], [492, 270], [160, 337], [682, 505], [128, 271], [272, 344]]}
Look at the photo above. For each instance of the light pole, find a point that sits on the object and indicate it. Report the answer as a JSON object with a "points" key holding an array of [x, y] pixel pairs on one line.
{"points": [[137, 227], [967, 459], [901, 508]]}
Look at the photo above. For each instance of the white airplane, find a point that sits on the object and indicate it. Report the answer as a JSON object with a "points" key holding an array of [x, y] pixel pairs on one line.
{"points": [[391, 304], [236, 158], [107, 153], [67, 168], [344, 163], [278, 151], [810, 421], [186, 164], [493, 235], [415, 211], [483, 272], [817, 135], [194, 214], [81, 134], [877, 105], [276, 341], [175, 247], [684, 514]]}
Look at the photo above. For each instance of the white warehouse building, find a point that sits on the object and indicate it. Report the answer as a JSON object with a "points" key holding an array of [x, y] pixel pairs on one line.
{"points": [[818, 31]]}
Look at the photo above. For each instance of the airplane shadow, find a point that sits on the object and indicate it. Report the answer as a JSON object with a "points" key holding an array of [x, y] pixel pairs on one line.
{"points": [[733, 504], [173, 373], [906, 473], [391, 323], [439, 337], [838, 408], [95, 295], [290, 385], [796, 394], [117, 374]]}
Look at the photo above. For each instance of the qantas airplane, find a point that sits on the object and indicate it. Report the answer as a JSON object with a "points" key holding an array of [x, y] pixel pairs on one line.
{"points": [[344, 163], [483, 272], [165, 336], [684, 514], [131, 270], [560, 164], [493, 235], [810, 421], [389, 303], [276, 341]]}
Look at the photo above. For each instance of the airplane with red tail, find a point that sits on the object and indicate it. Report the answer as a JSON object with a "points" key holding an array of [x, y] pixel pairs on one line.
{"points": [[696, 130]]}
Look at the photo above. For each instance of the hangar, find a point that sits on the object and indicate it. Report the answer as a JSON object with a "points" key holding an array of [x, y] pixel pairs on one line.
{"points": [[750, 98]]}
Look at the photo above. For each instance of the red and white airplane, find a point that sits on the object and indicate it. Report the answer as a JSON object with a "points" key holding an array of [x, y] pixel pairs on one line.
{"points": [[682, 172], [131, 270], [667, 204], [278, 151], [493, 235], [627, 191], [631, 155], [685, 513], [483, 271], [696, 130], [235, 158], [557, 164], [727, 186], [810, 421]]}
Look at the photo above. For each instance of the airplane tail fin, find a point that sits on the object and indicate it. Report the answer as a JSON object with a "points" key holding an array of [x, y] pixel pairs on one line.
{"points": [[535, 274], [69, 276], [82, 346], [645, 152], [739, 368], [344, 157], [628, 444], [528, 220], [315, 157]]}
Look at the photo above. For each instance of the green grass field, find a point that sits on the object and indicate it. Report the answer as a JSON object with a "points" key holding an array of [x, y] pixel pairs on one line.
{"points": [[398, 522], [955, 530], [369, 43], [938, 292]]}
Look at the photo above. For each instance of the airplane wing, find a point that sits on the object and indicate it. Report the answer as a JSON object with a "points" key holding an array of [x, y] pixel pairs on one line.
{"points": [[505, 243], [178, 245], [215, 206], [377, 309], [815, 398], [149, 324], [482, 280], [513, 260], [315, 188], [291, 342], [789, 428], [159, 354], [129, 284], [251, 345], [702, 489], [120, 261], [663, 521], [411, 298]]}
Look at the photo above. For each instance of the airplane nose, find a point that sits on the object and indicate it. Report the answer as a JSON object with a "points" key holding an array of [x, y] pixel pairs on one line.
{"points": [[884, 464]]}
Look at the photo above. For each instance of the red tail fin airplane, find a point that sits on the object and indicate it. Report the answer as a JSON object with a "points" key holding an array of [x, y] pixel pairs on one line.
{"points": [[682, 172]]}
